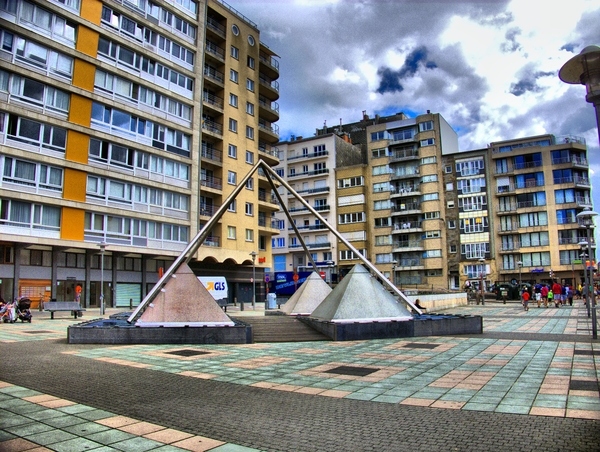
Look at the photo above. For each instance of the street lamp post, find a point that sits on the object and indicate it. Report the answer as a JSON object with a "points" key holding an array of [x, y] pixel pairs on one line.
{"points": [[584, 257], [394, 263], [586, 219], [584, 69], [254, 254], [482, 270], [520, 265], [102, 246]]}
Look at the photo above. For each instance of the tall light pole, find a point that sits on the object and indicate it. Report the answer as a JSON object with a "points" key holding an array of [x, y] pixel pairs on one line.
{"points": [[102, 246], [584, 69], [253, 254], [482, 270], [584, 257], [586, 219], [520, 265]]}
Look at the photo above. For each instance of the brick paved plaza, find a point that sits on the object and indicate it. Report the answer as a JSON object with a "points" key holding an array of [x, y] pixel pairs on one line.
{"points": [[530, 382]]}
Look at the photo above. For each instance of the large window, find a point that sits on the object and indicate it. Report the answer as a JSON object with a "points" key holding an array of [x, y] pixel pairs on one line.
{"points": [[36, 133], [356, 217], [45, 22], [35, 93], [351, 182], [27, 215], [32, 174]]}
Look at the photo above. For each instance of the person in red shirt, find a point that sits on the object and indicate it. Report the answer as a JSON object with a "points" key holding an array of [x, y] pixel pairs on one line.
{"points": [[544, 292], [557, 291], [525, 297]]}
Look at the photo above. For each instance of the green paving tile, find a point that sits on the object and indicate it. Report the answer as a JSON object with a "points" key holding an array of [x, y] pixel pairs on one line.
{"points": [[14, 420], [5, 436], [75, 409], [28, 429], [479, 406], [95, 415], [46, 413], [85, 428], [361, 396], [232, 448], [50, 437], [75, 445], [512, 409], [388, 399], [109, 437], [137, 444]]}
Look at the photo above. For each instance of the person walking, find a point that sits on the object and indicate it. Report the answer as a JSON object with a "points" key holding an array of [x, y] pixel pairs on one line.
{"points": [[557, 292], [544, 293], [525, 299]]}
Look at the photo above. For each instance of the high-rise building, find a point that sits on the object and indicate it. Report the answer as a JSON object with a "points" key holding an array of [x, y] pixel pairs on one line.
{"points": [[308, 165], [123, 126]]}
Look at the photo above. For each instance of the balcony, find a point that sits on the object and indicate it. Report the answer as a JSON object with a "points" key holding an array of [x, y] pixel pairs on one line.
{"points": [[311, 245], [407, 245], [310, 173], [272, 88], [309, 155], [401, 155], [212, 126], [409, 263], [215, 27], [506, 209], [311, 191], [407, 226], [211, 154], [215, 51], [208, 210], [408, 208], [405, 174], [213, 101], [269, 63], [214, 75], [212, 240], [268, 109], [211, 182], [312, 227], [271, 129]]}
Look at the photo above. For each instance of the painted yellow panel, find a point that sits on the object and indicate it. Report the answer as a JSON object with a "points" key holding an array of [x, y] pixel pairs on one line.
{"points": [[83, 75], [77, 147], [74, 185], [80, 110], [72, 224], [91, 10], [87, 41]]}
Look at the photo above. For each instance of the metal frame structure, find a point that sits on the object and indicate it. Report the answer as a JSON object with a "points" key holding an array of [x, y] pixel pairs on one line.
{"points": [[191, 249]]}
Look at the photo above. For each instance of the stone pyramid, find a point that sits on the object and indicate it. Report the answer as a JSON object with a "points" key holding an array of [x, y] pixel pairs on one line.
{"points": [[184, 301], [310, 295], [359, 297]]}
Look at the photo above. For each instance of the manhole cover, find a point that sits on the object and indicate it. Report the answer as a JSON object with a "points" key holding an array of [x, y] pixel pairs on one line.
{"points": [[187, 353], [587, 352], [353, 371], [582, 385], [38, 332], [418, 345]]}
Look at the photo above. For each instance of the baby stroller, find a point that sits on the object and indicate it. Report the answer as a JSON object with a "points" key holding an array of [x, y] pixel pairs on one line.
{"points": [[23, 311]]}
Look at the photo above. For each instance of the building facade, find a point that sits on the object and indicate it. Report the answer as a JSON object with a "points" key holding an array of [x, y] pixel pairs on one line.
{"points": [[123, 125]]}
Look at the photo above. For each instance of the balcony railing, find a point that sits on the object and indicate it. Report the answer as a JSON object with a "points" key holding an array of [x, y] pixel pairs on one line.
{"points": [[312, 245], [310, 155], [214, 74], [215, 50], [213, 100], [212, 240], [310, 173], [211, 182], [211, 153], [212, 126]]}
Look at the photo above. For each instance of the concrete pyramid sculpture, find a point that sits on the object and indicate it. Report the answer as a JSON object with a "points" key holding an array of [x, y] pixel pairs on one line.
{"points": [[359, 297], [311, 294], [184, 301]]}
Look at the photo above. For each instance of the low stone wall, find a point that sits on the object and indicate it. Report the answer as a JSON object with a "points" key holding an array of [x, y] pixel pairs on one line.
{"points": [[437, 302]]}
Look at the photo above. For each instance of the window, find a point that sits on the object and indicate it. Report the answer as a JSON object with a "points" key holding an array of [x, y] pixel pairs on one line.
{"points": [[250, 184], [431, 215], [451, 224], [346, 255], [382, 240], [450, 204], [250, 132], [381, 187], [231, 177], [233, 76], [249, 235], [232, 151], [251, 62], [233, 125], [232, 206], [351, 182], [235, 52], [385, 222], [449, 186], [250, 85], [382, 205], [356, 217], [448, 169], [473, 225], [475, 250], [250, 157], [430, 178], [384, 258], [351, 200], [428, 160], [433, 234], [251, 40], [278, 242], [381, 169], [235, 30], [453, 249], [233, 100], [430, 197], [381, 152], [250, 108], [424, 126], [231, 232], [427, 142]]}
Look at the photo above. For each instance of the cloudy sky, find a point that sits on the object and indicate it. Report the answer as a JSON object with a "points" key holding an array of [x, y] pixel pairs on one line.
{"points": [[489, 67]]}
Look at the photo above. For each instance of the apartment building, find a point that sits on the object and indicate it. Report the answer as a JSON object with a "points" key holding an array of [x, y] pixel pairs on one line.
{"points": [[308, 166], [123, 125], [539, 185]]}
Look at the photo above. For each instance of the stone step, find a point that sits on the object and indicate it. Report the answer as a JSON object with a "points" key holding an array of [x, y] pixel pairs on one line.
{"points": [[282, 328]]}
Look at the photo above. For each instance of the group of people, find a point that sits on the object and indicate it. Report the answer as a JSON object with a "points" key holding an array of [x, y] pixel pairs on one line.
{"points": [[8, 311], [553, 293]]}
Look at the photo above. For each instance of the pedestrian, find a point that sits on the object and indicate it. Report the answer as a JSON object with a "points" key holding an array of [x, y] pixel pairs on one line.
{"points": [[538, 294], [525, 297], [570, 295], [557, 291], [544, 293]]}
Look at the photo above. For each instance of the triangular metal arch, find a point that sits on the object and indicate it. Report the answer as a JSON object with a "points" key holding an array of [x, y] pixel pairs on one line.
{"points": [[191, 249]]}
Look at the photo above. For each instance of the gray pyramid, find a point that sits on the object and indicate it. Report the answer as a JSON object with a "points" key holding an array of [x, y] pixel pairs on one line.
{"points": [[359, 297], [311, 294]]}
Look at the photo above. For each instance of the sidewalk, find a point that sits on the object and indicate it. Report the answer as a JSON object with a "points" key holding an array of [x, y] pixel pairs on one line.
{"points": [[541, 364]]}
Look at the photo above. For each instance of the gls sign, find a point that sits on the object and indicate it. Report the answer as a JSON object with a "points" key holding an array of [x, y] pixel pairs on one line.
{"points": [[216, 286]]}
